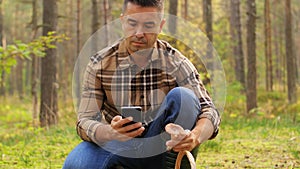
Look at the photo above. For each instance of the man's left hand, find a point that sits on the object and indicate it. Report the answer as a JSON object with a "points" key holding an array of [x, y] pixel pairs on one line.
{"points": [[188, 143]]}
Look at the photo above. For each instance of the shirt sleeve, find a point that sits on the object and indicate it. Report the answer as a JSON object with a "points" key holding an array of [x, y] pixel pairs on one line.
{"points": [[189, 77], [89, 114]]}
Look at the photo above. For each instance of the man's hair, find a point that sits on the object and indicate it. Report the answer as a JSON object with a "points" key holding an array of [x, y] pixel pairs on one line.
{"points": [[159, 4]]}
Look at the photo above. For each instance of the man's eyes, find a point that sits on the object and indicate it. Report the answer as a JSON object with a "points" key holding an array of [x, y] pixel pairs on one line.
{"points": [[132, 23], [149, 25], [145, 25]]}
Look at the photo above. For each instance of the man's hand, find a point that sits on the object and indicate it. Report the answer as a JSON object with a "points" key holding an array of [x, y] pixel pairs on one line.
{"points": [[180, 139], [189, 140], [121, 132], [188, 143]]}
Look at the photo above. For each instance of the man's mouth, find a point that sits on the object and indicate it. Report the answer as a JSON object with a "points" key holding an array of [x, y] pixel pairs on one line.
{"points": [[138, 43]]}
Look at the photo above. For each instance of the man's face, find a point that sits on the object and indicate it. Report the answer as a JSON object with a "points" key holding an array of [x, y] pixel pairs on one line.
{"points": [[141, 26]]}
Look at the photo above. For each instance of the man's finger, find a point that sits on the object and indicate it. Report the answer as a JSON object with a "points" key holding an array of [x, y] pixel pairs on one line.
{"points": [[182, 147], [135, 132], [118, 121]]}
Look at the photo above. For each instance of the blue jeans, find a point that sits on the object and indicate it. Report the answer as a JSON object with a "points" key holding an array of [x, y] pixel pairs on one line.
{"points": [[180, 106]]}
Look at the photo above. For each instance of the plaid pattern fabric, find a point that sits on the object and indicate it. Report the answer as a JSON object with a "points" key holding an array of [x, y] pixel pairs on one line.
{"points": [[112, 80]]}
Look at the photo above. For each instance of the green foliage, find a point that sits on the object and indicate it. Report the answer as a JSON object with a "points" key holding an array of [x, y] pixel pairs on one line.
{"points": [[26, 146], [36, 48]]}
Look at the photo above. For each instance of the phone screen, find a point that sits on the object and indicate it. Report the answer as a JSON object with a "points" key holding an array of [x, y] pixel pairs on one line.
{"points": [[133, 111]]}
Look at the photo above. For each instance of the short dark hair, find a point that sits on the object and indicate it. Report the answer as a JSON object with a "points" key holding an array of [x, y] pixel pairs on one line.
{"points": [[159, 4]]}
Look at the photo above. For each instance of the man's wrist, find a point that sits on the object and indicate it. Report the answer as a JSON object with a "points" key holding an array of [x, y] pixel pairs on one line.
{"points": [[103, 134], [204, 129]]}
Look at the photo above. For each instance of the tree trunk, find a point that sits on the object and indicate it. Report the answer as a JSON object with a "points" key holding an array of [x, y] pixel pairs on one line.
{"points": [[27, 83], [106, 18], [19, 78], [277, 54], [283, 58], [290, 55], [2, 78], [2, 86], [95, 23], [11, 86], [78, 27], [1, 24], [268, 47], [35, 71], [95, 16], [251, 54], [279, 26], [19, 67], [185, 9], [78, 46], [49, 85], [208, 19], [173, 7], [66, 51], [236, 36]]}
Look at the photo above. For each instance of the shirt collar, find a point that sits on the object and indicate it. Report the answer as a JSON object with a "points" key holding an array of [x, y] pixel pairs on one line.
{"points": [[124, 56]]}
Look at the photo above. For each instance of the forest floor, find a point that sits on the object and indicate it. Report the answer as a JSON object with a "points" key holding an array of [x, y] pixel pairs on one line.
{"points": [[243, 142]]}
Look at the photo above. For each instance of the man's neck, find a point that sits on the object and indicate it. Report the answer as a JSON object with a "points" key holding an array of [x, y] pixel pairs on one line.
{"points": [[141, 58]]}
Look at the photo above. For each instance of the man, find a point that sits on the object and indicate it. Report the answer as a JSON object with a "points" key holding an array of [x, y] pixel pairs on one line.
{"points": [[140, 70]]}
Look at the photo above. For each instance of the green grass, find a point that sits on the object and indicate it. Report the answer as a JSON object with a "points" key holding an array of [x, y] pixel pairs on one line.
{"points": [[36, 148], [253, 143], [25, 146], [266, 140]]}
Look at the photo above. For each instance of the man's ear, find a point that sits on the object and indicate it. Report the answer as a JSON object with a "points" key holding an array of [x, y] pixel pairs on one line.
{"points": [[122, 17], [162, 23]]}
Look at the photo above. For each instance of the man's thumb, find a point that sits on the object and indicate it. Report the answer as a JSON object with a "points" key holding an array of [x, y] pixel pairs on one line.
{"points": [[117, 118]]}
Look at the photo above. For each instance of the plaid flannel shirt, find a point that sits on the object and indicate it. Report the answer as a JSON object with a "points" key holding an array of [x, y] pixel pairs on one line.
{"points": [[112, 80]]}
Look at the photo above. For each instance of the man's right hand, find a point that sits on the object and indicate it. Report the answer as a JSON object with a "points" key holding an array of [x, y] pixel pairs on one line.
{"points": [[122, 132]]}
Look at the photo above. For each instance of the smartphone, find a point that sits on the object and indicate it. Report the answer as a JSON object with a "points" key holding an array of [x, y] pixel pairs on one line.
{"points": [[136, 113], [132, 111]]}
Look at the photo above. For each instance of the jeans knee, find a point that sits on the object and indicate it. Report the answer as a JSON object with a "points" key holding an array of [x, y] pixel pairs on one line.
{"points": [[180, 93], [183, 106]]}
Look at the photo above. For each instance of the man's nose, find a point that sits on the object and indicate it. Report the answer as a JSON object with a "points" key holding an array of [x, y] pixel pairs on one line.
{"points": [[139, 32]]}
